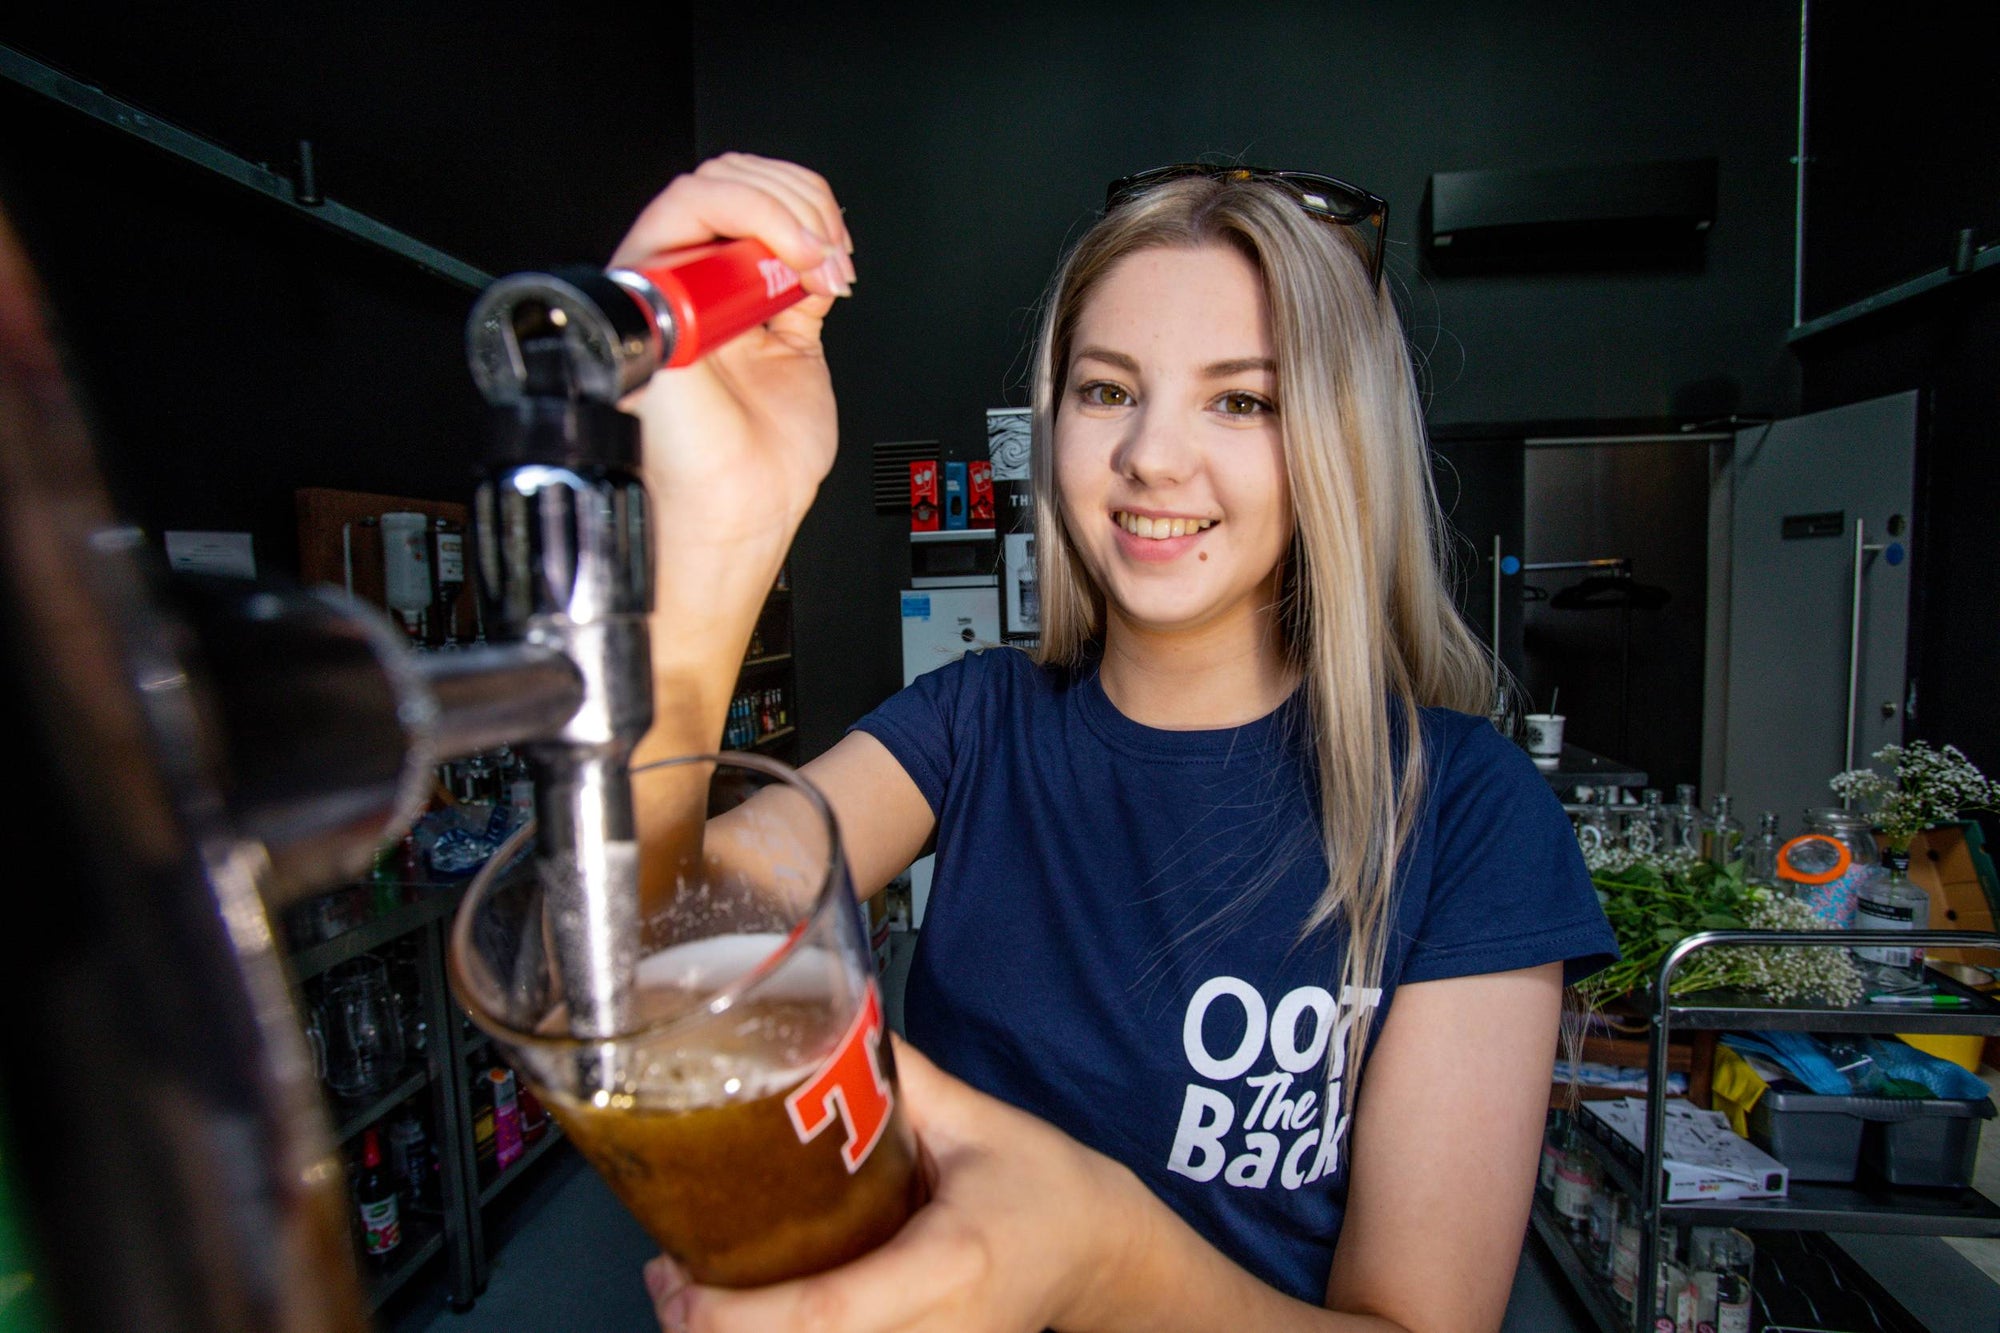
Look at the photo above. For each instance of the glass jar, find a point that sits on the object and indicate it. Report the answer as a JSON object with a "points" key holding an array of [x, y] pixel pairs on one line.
{"points": [[1813, 873]]}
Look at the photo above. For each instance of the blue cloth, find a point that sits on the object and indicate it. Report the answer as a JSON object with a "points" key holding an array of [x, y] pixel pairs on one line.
{"points": [[1113, 935]]}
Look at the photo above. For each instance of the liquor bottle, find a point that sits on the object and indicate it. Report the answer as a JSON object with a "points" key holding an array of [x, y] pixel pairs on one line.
{"points": [[410, 1159], [375, 1195], [1684, 822], [1646, 831], [1760, 855], [1721, 835], [506, 1118], [1734, 1260]]}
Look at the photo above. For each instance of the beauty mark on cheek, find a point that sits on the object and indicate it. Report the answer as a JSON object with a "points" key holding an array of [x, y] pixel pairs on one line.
{"points": [[1201, 555]]}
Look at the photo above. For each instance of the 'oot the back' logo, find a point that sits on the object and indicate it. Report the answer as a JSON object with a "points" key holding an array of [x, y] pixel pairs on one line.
{"points": [[850, 1087]]}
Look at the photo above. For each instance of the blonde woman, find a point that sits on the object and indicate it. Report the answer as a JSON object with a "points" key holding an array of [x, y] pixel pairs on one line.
{"points": [[1241, 973]]}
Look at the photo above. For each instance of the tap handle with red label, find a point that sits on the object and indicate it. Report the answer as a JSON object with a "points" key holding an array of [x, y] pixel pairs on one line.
{"points": [[615, 329], [703, 296]]}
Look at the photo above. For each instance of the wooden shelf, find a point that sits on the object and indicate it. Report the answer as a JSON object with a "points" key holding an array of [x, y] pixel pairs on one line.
{"points": [[769, 659], [771, 737]]}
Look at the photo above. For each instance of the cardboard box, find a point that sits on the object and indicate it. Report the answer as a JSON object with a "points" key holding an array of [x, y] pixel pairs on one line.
{"points": [[979, 493], [1950, 864], [954, 496], [925, 514], [1705, 1160]]}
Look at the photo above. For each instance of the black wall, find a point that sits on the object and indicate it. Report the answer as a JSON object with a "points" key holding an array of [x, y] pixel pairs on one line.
{"points": [[233, 351], [969, 144], [1894, 179]]}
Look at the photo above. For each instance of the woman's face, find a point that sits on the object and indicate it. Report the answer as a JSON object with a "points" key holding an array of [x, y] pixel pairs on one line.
{"points": [[1169, 465]]}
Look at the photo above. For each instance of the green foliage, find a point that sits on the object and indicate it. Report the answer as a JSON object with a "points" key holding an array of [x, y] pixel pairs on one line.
{"points": [[1654, 904]]}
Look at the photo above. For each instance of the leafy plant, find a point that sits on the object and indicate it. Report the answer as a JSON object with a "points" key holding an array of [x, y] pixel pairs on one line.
{"points": [[1654, 903], [1923, 787]]}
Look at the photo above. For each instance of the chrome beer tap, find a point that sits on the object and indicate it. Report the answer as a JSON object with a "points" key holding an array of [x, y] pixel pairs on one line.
{"points": [[565, 558]]}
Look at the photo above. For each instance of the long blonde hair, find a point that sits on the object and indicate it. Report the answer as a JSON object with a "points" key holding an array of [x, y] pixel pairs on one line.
{"points": [[1364, 606]]}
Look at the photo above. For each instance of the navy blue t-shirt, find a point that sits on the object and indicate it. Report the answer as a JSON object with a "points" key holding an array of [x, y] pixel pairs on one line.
{"points": [[1113, 936]]}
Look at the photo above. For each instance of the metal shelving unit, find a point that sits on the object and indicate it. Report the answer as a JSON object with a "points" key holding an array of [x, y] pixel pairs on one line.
{"points": [[1809, 1208], [457, 1229]]}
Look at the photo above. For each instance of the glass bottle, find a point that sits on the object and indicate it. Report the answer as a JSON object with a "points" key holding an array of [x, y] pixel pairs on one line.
{"points": [[1734, 1260], [1684, 822], [1646, 828], [1578, 1178], [1669, 1277], [1760, 855], [1625, 1256], [1593, 830], [1892, 902], [1721, 835], [375, 1199], [1552, 1151]]}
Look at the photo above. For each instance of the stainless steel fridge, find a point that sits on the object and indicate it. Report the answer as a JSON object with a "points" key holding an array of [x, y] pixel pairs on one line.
{"points": [[1809, 603]]}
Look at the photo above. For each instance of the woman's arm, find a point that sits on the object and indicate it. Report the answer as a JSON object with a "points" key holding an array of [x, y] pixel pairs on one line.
{"points": [[884, 823], [1027, 1228], [1445, 1143]]}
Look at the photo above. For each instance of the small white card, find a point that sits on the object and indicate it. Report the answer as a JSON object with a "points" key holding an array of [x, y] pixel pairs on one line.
{"points": [[226, 554]]}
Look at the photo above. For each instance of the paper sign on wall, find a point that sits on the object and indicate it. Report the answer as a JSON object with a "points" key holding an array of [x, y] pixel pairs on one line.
{"points": [[225, 554]]}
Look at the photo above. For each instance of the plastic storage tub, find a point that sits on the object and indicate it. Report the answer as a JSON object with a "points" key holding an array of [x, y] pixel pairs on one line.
{"points": [[1818, 1138], [1934, 1145], [1904, 1141]]}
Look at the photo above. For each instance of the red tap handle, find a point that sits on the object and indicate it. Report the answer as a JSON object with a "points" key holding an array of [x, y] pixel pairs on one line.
{"points": [[714, 292]]}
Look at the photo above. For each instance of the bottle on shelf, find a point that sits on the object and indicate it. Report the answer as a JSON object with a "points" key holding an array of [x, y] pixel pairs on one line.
{"points": [[506, 1118], [1721, 835], [1670, 1280], [484, 1148], [1760, 854], [1552, 1151], [1892, 902], [1684, 822], [375, 1197], [410, 1161], [1625, 1255], [1578, 1177], [1645, 825], [1735, 1258]]}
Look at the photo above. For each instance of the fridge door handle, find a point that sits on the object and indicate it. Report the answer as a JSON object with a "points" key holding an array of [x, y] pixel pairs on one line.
{"points": [[1854, 646]]}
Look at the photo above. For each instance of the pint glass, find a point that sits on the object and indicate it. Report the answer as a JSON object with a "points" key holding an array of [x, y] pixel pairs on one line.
{"points": [[747, 1114]]}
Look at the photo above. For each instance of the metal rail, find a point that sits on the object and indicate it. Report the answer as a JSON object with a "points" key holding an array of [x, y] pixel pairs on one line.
{"points": [[1656, 1053], [302, 196]]}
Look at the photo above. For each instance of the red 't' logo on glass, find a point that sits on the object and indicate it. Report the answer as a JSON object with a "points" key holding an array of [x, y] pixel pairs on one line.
{"points": [[849, 1085]]}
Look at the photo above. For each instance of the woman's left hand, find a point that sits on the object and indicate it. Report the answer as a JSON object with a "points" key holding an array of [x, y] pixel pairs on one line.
{"points": [[1016, 1226]]}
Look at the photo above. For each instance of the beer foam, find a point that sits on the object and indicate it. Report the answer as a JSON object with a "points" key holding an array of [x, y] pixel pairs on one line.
{"points": [[766, 1042]]}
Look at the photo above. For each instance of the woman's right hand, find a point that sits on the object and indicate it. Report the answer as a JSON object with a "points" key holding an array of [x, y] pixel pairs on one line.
{"points": [[737, 443]]}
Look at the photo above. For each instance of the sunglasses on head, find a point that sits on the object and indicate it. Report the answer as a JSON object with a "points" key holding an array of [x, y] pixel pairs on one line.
{"points": [[1324, 197]]}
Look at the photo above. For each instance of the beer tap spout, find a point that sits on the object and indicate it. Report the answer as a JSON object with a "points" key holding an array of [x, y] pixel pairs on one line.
{"points": [[565, 557]]}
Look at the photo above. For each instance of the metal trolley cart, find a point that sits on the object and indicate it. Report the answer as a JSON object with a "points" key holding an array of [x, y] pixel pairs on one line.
{"points": [[1810, 1209]]}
